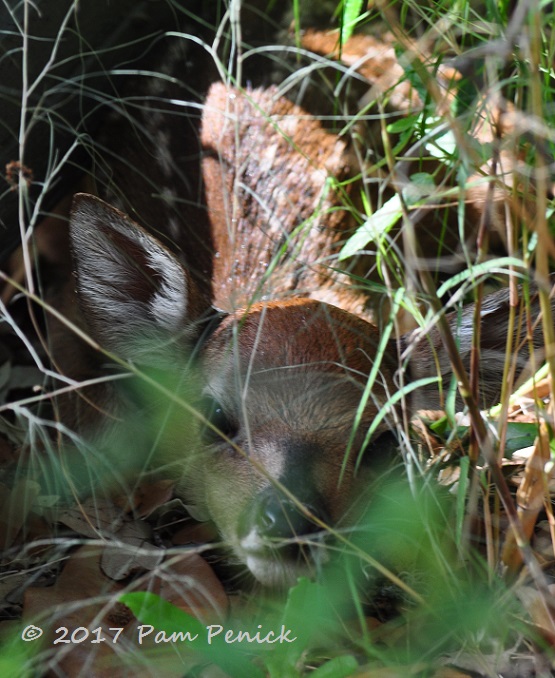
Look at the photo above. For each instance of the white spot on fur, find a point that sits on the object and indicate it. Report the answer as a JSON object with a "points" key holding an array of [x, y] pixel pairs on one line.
{"points": [[267, 158], [163, 153], [169, 196], [289, 125], [174, 228]]}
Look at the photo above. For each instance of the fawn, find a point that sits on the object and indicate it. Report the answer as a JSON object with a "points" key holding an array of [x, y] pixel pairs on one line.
{"points": [[273, 354], [275, 371], [278, 388]]}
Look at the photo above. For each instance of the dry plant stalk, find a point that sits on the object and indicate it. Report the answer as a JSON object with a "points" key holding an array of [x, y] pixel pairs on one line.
{"points": [[530, 498]]}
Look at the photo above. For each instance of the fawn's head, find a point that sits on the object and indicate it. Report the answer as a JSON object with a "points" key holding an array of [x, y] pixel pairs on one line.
{"points": [[277, 388]]}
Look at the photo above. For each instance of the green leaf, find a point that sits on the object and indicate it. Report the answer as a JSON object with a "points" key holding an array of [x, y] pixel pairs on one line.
{"points": [[309, 610], [443, 147], [403, 124], [351, 13], [467, 90], [154, 611], [519, 434], [338, 667], [19, 659], [309, 613], [421, 185], [375, 227], [440, 427], [413, 75], [461, 496], [489, 267]]}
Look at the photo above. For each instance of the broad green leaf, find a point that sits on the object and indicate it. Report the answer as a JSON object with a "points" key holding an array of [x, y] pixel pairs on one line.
{"points": [[154, 611], [519, 435], [351, 13], [421, 185], [403, 124], [338, 667], [374, 227]]}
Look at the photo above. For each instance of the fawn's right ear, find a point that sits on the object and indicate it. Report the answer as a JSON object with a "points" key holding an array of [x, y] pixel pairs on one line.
{"points": [[137, 299]]}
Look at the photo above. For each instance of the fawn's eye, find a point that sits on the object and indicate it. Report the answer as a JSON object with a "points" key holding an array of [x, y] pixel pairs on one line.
{"points": [[221, 423], [381, 450]]}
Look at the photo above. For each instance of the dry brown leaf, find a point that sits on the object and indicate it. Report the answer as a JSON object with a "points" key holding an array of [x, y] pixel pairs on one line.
{"points": [[8, 453], [131, 551], [91, 518], [187, 581], [374, 59], [84, 597], [194, 533], [77, 599], [530, 496], [540, 610], [15, 509], [148, 497]]}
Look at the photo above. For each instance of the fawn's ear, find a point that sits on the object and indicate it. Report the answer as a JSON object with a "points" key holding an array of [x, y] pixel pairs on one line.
{"points": [[137, 299]]}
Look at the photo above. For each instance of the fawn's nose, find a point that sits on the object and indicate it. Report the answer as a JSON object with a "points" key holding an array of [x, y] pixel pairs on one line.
{"points": [[275, 517]]}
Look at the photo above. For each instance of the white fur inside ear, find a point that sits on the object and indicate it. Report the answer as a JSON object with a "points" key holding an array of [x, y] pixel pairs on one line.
{"points": [[133, 292]]}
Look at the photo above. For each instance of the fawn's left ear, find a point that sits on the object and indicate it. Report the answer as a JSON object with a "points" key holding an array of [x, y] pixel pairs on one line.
{"points": [[138, 300]]}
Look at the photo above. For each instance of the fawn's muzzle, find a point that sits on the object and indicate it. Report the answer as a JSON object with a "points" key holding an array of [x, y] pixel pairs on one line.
{"points": [[276, 517]]}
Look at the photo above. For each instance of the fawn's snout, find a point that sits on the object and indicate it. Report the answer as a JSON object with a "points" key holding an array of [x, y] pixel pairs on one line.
{"points": [[279, 537]]}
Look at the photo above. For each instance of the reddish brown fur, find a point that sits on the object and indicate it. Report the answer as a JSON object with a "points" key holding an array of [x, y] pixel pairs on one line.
{"points": [[281, 188], [304, 333]]}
